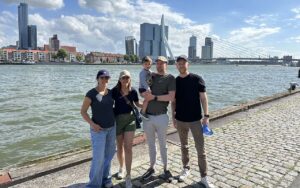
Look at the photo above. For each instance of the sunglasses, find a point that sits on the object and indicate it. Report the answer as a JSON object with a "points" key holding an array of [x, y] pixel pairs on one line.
{"points": [[125, 78], [105, 77]]}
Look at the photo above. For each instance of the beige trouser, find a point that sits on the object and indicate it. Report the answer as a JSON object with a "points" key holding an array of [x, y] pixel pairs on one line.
{"points": [[196, 129], [159, 125]]}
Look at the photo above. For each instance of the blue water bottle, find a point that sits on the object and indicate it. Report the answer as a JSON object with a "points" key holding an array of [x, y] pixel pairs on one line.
{"points": [[206, 130]]}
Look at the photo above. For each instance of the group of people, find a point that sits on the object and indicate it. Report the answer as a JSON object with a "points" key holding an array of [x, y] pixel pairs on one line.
{"points": [[112, 124]]}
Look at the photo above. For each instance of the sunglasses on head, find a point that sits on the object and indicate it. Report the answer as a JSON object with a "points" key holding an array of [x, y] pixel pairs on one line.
{"points": [[104, 77], [125, 77]]}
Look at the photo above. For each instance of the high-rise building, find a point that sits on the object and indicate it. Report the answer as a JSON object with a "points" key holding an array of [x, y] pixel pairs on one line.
{"points": [[130, 45], [23, 23], [193, 41], [54, 43], [209, 42], [154, 40], [32, 37], [207, 49], [193, 47], [151, 42]]}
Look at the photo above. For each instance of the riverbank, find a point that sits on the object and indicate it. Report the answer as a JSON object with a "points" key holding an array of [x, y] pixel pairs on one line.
{"points": [[69, 63], [72, 63], [71, 167]]}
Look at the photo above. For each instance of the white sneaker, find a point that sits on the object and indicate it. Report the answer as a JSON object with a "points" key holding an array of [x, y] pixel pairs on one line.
{"points": [[205, 182], [184, 174], [120, 174], [128, 183]]}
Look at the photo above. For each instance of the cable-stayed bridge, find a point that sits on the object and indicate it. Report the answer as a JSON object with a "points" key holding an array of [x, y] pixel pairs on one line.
{"points": [[225, 51]]}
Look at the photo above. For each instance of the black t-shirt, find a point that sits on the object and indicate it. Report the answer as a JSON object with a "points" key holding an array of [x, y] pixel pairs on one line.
{"points": [[102, 108], [121, 107], [188, 107]]}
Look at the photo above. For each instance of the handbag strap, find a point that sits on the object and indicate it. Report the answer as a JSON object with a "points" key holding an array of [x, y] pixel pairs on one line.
{"points": [[128, 101]]}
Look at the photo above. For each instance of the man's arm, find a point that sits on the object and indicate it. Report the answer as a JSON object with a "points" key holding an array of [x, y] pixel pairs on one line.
{"points": [[204, 103], [169, 97], [173, 107]]}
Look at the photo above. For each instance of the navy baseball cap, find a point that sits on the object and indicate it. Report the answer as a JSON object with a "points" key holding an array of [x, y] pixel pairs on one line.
{"points": [[103, 73], [181, 57]]}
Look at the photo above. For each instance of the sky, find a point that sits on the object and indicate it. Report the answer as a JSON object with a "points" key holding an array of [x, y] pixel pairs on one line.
{"points": [[270, 27]]}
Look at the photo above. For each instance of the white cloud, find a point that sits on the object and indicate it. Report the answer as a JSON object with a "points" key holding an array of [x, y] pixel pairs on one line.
{"points": [[50, 4], [295, 39], [123, 18], [247, 34], [8, 27], [245, 42], [261, 20], [120, 7], [297, 11]]}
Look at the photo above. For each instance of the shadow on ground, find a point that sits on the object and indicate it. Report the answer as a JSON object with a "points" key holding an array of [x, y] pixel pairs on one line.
{"points": [[155, 181], [77, 185]]}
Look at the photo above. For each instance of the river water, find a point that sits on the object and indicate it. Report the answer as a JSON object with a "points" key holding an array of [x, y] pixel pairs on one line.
{"points": [[40, 104]]}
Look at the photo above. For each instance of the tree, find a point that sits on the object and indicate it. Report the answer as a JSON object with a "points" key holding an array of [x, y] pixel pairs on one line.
{"points": [[126, 58], [61, 54], [79, 58], [136, 58], [133, 58], [54, 56]]}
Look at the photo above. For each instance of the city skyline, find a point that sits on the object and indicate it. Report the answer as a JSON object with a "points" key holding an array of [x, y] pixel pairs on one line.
{"points": [[268, 26]]}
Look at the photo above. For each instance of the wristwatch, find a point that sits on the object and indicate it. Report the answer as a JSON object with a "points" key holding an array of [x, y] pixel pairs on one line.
{"points": [[206, 115], [155, 98]]}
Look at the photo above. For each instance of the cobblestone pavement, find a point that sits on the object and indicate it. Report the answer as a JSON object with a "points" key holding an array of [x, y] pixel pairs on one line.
{"points": [[259, 149]]}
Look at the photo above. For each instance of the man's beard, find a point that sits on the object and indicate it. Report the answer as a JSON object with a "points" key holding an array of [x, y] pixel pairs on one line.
{"points": [[160, 70], [182, 70]]}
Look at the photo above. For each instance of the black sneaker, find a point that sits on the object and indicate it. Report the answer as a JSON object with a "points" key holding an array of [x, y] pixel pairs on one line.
{"points": [[148, 174], [144, 116], [167, 176]]}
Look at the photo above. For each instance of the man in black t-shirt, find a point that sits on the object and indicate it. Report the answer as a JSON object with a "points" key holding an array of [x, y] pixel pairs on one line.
{"points": [[190, 96]]}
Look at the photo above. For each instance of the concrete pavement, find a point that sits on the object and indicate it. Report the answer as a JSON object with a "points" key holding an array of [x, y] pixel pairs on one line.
{"points": [[259, 147]]}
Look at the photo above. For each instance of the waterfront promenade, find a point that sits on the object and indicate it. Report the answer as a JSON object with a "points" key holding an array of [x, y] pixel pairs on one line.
{"points": [[259, 147]]}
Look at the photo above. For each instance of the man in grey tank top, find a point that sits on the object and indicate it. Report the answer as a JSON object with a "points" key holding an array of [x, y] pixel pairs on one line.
{"points": [[162, 92]]}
